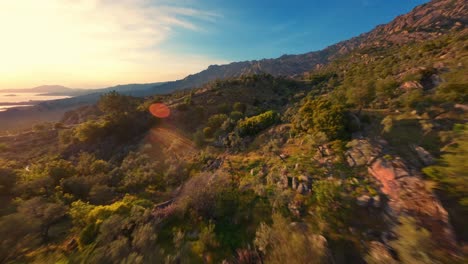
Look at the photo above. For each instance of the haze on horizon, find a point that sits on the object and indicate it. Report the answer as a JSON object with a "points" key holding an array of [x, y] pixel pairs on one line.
{"points": [[100, 43]]}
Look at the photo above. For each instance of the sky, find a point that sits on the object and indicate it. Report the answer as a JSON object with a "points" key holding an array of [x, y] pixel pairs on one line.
{"points": [[100, 43]]}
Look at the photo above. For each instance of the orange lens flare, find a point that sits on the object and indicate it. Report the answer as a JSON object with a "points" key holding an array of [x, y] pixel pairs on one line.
{"points": [[160, 110]]}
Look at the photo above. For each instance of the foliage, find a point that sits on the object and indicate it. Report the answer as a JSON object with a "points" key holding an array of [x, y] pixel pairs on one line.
{"points": [[239, 107], [450, 172], [255, 124], [414, 244], [283, 243], [320, 115], [215, 121], [115, 104], [208, 132]]}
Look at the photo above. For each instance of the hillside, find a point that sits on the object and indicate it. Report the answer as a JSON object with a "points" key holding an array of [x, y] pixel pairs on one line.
{"points": [[425, 22], [51, 111], [359, 160]]}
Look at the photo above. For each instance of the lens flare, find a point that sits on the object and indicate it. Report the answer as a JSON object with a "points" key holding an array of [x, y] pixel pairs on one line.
{"points": [[160, 110]]}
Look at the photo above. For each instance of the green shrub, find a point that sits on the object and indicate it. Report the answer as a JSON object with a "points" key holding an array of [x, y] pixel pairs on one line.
{"points": [[239, 107], [321, 115], [91, 130], [208, 132], [255, 124], [236, 115], [215, 121]]}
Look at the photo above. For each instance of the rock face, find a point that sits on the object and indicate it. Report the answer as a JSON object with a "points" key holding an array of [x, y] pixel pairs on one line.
{"points": [[405, 190]]}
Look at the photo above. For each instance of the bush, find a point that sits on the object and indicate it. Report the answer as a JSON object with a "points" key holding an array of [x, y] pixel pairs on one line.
{"points": [[321, 115], [208, 132], [284, 243], [236, 115], [90, 131], [239, 107], [115, 104], [255, 124], [453, 92], [215, 121]]}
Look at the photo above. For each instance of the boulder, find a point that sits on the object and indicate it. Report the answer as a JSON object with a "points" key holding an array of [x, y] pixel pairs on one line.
{"points": [[376, 201], [426, 157], [378, 253], [411, 85], [363, 200], [302, 188]]}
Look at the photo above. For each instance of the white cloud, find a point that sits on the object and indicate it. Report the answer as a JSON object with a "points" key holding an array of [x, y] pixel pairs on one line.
{"points": [[94, 42]]}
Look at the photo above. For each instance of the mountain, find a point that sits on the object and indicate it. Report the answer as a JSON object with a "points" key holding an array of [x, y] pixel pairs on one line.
{"points": [[424, 22], [129, 89], [46, 89]]}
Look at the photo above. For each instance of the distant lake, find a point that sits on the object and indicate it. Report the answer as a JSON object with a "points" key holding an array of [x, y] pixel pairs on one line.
{"points": [[9, 100]]}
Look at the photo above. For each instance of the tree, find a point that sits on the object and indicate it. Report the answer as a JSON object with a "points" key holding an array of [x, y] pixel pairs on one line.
{"points": [[239, 107], [208, 132], [17, 232], [236, 116], [46, 213], [115, 104], [7, 180], [360, 95], [321, 115], [215, 121]]}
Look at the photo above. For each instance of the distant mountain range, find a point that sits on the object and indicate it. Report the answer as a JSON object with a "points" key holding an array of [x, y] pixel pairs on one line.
{"points": [[45, 89], [131, 89]]}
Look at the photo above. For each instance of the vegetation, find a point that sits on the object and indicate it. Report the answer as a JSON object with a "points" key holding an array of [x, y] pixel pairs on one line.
{"points": [[254, 169]]}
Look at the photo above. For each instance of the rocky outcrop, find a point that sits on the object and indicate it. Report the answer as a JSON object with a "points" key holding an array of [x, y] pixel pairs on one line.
{"points": [[404, 188], [411, 85]]}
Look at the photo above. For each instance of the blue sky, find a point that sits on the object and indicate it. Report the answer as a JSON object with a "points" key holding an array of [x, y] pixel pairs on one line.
{"points": [[251, 29], [99, 43]]}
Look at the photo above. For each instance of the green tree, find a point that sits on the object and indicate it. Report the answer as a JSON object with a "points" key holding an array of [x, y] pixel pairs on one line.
{"points": [[208, 132], [46, 213], [215, 121], [321, 115], [115, 104], [240, 107]]}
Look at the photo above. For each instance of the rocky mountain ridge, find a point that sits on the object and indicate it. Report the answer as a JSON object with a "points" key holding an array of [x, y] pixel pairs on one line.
{"points": [[424, 22]]}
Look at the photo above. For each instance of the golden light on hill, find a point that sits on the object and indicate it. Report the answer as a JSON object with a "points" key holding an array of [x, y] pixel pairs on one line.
{"points": [[160, 110]]}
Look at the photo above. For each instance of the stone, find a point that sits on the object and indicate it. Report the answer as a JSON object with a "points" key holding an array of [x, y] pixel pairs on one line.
{"points": [[462, 107], [436, 80], [376, 202], [426, 157], [303, 178], [410, 85], [378, 253], [301, 188], [294, 183], [363, 200]]}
